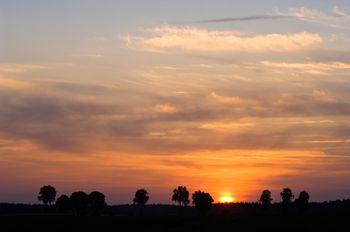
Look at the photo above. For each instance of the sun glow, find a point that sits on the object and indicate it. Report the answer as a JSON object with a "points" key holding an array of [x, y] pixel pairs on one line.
{"points": [[226, 198]]}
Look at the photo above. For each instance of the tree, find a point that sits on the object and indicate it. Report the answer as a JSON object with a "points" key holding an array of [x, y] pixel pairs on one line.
{"points": [[47, 194], [63, 203], [266, 199], [302, 201], [79, 202], [287, 197], [202, 201], [181, 196], [141, 197], [97, 201]]}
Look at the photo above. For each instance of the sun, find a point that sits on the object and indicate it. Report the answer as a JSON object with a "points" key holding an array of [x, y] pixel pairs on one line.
{"points": [[226, 198]]}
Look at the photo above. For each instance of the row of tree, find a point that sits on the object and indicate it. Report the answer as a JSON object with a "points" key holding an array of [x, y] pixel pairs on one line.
{"points": [[287, 196], [95, 201], [78, 201]]}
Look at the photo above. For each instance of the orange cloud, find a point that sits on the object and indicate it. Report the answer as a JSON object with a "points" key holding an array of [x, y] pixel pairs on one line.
{"points": [[14, 84], [158, 109], [19, 68], [195, 39], [230, 100], [316, 68]]}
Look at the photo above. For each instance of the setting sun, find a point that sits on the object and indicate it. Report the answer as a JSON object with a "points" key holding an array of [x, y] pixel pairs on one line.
{"points": [[226, 198]]}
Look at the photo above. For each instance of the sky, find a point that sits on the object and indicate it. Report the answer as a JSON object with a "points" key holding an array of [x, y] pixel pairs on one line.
{"points": [[228, 97]]}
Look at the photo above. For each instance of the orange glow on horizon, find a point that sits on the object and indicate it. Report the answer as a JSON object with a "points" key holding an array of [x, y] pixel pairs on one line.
{"points": [[226, 198]]}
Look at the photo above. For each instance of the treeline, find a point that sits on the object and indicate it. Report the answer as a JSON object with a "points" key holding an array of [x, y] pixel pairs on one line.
{"points": [[82, 203]]}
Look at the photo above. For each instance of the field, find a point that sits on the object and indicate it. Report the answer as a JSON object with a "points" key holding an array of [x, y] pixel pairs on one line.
{"points": [[222, 218], [172, 223]]}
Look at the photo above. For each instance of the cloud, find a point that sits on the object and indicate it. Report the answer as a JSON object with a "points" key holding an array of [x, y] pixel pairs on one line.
{"points": [[79, 117], [13, 84], [165, 109], [242, 19], [92, 55], [231, 100], [230, 126], [256, 134], [315, 68], [336, 20], [19, 68], [341, 12], [333, 19], [158, 109], [302, 13], [170, 38]]}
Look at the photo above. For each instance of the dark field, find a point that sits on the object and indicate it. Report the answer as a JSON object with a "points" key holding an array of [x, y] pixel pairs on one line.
{"points": [[234, 217], [334, 222]]}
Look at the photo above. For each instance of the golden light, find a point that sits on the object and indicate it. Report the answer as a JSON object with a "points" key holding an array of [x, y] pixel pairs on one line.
{"points": [[226, 198]]}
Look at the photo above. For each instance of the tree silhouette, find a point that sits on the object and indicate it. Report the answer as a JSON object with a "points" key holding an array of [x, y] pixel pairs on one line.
{"points": [[141, 197], [47, 194], [63, 203], [287, 197], [181, 196], [79, 202], [97, 201], [302, 201], [202, 201], [266, 199]]}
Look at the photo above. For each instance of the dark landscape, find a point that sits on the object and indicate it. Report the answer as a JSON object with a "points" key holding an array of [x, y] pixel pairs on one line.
{"points": [[331, 216], [89, 212]]}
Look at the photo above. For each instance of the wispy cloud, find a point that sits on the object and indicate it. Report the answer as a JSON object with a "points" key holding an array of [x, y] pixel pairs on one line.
{"points": [[242, 19], [20, 68], [316, 68], [341, 12], [333, 19], [238, 101]]}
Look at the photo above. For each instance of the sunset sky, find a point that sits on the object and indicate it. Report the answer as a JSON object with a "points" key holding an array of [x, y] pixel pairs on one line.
{"points": [[229, 97]]}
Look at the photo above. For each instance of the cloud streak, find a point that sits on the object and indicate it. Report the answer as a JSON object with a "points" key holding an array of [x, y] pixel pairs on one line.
{"points": [[242, 19]]}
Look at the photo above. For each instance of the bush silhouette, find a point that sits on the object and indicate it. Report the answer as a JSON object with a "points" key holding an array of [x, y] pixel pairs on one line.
{"points": [[79, 201], [202, 201], [266, 199], [63, 203], [97, 201], [181, 196], [302, 201], [47, 194]]}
